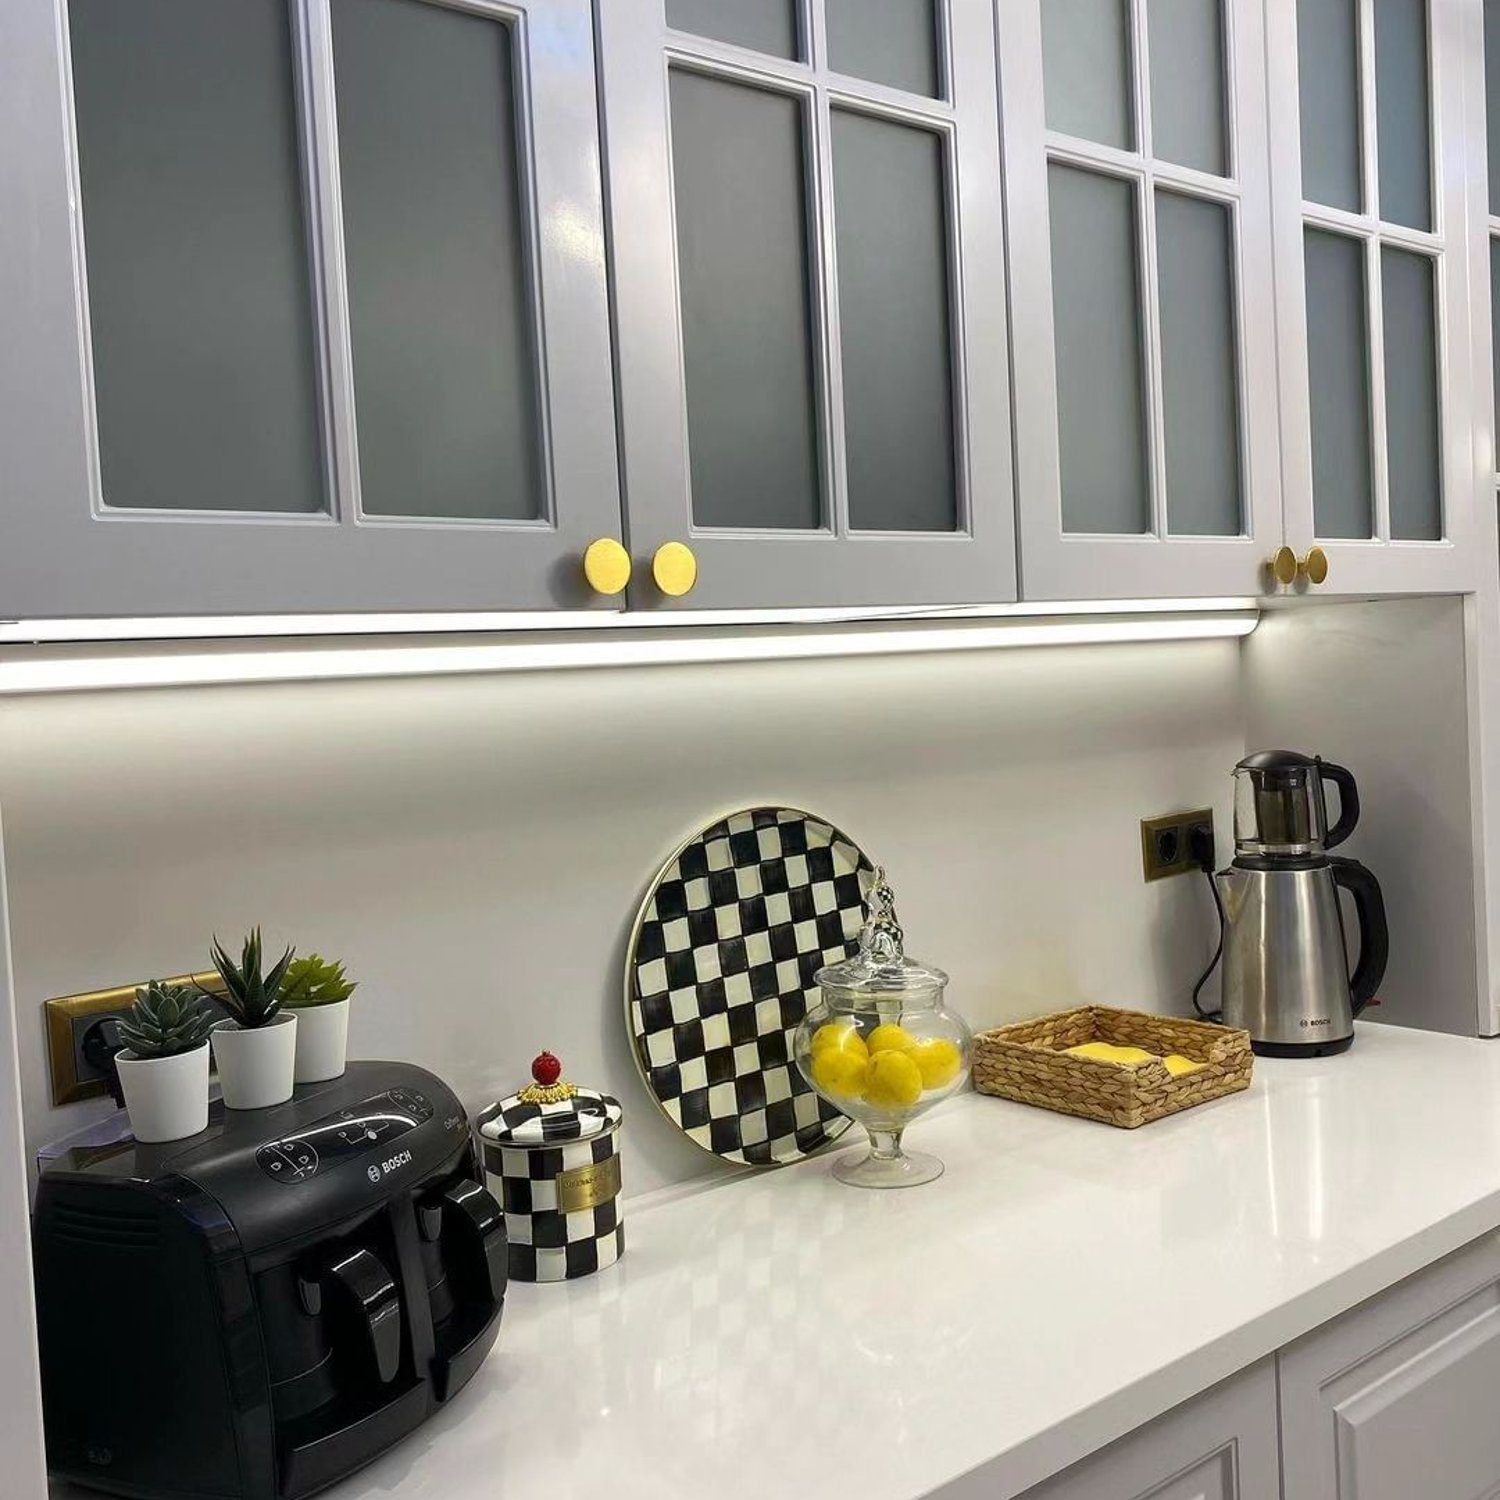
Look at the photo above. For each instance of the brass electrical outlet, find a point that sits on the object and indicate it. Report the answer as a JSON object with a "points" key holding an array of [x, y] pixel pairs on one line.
{"points": [[69, 1019], [1166, 842]]}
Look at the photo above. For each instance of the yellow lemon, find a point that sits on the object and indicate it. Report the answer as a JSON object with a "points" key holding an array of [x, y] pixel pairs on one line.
{"points": [[1176, 1064], [890, 1038], [839, 1072], [842, 1035], [893, 1080], [938, 1061]]}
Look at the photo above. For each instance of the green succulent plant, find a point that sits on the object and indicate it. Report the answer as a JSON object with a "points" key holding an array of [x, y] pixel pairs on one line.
{"points": [[166, 1019], [314, 981], [251, 997]]}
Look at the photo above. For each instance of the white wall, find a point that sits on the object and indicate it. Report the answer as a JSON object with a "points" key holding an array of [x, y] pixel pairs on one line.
{"points": [[476, 848], [1380, 687]]}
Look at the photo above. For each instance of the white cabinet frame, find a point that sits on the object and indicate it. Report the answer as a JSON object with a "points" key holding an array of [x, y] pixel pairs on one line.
{"points": [[1056, 564], [833, 565], [1382, 564]]}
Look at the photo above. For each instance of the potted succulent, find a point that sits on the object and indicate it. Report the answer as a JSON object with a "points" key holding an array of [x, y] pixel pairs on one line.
{"points": [[164, 1065], [257, 1046], [319, 993]]}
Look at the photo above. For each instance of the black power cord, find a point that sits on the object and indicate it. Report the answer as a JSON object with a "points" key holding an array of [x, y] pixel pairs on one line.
{"points": [[1201, 847]]}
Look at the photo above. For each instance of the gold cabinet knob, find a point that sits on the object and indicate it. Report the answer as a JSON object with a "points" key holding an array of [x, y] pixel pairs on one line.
{"points": [[1287, 567], [1284, 567], [675, 569], [606, 565]]}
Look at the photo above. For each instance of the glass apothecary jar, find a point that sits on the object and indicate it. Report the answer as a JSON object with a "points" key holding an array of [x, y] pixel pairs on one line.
{"points": [[881, 1046]]}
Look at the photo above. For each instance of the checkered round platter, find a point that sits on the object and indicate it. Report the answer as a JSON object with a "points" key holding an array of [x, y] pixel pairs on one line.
{"points": [[721, 971]]}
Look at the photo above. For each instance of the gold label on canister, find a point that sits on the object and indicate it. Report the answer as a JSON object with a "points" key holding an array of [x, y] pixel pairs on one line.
{"points": [[587, 1187]]}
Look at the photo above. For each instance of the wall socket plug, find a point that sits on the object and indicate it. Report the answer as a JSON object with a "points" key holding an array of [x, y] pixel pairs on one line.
{"points": [[1167, 842]]}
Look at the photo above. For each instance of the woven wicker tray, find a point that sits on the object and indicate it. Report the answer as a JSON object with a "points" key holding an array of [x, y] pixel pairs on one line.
{"points": [[1026, 1062]]}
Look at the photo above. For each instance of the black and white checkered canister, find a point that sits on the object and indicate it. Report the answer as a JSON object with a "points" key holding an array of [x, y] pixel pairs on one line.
{"points": [[555, 1167]]}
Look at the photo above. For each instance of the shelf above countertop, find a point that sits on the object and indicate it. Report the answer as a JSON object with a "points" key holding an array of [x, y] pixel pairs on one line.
{"points": [[1062, 1283]]}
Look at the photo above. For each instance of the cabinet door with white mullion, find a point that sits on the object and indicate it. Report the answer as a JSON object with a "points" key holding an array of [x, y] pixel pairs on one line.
{"points": [[267, 358], [1370, 182], [1138, 212], [808, 274]]}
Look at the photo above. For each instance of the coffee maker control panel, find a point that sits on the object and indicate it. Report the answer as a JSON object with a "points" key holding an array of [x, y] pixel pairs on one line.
{"points": [[376, 1122]]}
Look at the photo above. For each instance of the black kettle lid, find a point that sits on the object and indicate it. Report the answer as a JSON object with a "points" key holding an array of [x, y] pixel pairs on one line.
{"points": [[1278, 760]]}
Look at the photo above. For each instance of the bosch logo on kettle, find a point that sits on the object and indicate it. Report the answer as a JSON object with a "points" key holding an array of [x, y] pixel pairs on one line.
{"points": [[400, 1159], [373, 1172]]}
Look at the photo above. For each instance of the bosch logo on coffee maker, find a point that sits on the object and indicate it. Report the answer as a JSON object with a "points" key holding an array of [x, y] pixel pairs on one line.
{"points": [[400, 1159]]}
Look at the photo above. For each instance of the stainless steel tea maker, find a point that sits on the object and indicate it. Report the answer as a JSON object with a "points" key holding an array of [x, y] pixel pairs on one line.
{"points": [[1286, 967]]}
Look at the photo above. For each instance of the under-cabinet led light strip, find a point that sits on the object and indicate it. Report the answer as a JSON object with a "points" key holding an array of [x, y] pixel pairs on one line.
{"points": [[209, 627], [43, 670]]}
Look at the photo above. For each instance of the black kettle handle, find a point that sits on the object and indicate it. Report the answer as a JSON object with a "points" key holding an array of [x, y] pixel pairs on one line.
{"points": [[1374, 936], [1343, 779]]}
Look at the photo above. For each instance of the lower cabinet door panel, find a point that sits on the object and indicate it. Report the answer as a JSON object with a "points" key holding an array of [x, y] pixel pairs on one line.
{"points": [[1396, 1399], [1218, 1446]]}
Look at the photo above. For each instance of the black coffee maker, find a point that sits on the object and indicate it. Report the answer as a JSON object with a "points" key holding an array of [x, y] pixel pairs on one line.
{"points": [[260, 1309]]}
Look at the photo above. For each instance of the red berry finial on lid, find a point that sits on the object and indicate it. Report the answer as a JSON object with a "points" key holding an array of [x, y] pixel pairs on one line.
{"points": [[546, 1069]]}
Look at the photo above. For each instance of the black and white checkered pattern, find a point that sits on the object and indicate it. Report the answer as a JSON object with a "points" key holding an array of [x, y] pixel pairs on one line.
{"points": [[586, 1113], [721, 973], [546, 1245]]}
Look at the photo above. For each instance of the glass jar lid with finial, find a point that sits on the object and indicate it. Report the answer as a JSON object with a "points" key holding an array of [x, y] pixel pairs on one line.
{"points": [[881, 1046]]}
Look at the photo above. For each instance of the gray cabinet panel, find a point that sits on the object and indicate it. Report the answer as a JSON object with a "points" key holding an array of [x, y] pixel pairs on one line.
{"points": [[63, 553], [1218, 1446], [738, 159], [1187, 83], [1409, 305], [889, 192], [1396, 1398], [1096, 312], [200, 298], [762, 25], [440, 300], [1403, 126], [887, 41], [1328, 67], [1087, 70]]}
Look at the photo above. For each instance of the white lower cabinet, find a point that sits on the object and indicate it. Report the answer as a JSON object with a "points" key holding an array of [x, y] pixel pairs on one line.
{"points": [[1396, 1399], [1218, 1446], [1393, 1400]]}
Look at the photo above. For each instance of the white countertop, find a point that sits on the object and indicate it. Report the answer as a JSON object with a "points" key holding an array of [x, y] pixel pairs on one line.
{"points": [[1063, 1282]]}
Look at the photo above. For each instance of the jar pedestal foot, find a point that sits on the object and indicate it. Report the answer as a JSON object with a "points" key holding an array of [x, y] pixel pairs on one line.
{"points": [[886, 1165]]}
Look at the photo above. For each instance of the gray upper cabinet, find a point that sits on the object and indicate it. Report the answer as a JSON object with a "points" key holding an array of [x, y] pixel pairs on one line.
{"points": [[805, 216], [1138, 205], [1377, 166], [306, 307]]}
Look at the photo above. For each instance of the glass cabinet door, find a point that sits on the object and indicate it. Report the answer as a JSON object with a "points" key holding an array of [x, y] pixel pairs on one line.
{"points": [[269, 357], [806, 235], [1137, 195], [1370, 175]]}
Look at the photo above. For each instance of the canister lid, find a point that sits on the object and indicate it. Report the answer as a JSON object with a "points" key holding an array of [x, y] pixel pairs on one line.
{"points": [[549, 1111]]}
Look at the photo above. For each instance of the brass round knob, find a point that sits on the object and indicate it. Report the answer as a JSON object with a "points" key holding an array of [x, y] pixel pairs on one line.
{"points": [[1284, 567], [606, 565], [1314, 566], [675, 569]]}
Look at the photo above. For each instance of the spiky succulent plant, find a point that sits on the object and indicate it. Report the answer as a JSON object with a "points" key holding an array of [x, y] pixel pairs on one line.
{"points": [[166, 1019], [251, 997], [314, 981]]}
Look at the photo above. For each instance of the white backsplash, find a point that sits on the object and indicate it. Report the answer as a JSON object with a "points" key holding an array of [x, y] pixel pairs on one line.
{"points": [[476, 848]]}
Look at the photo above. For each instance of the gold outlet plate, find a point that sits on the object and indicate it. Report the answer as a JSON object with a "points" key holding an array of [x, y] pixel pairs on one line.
{"points": [[64, 1012], [1165, 843]]}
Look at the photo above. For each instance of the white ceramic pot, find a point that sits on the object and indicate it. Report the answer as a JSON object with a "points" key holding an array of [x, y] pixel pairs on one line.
{"points": [[256, 1065], [322, 1041], [167, 1097]]}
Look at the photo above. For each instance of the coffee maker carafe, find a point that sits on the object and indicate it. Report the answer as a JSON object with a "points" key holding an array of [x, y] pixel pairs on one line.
{"points": [[1286, 966]]}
